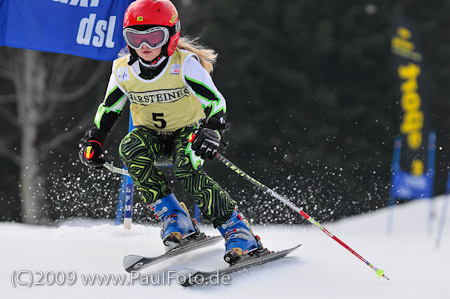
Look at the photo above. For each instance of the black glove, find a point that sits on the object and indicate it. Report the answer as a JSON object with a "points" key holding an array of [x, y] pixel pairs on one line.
{"points": [[91, 153], [206, 143]]}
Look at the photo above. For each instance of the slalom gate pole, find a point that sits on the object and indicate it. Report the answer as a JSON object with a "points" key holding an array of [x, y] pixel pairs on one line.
{"points": [[263, 187], [444, 213]]}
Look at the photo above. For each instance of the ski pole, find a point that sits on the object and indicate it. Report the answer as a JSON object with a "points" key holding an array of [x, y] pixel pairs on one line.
{"points": [[123, 171], [115, 169], [263, 187]]}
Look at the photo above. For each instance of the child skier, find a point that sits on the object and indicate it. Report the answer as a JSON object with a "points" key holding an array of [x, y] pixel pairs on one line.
{"points": [[179, 115]]}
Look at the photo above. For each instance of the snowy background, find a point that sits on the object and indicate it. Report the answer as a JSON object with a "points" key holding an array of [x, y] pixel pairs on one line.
{"points": [[320, 268]]}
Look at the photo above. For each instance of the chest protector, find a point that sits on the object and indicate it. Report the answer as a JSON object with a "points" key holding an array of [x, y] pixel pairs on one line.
{"points": [[164, 103]]}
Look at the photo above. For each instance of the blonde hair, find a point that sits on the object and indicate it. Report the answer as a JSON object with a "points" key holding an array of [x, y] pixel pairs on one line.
{"points": [[207, 56]]}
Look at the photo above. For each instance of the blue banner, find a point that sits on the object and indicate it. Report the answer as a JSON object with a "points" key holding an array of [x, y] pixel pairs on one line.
{"points": [[405, 185], [87, 28]]}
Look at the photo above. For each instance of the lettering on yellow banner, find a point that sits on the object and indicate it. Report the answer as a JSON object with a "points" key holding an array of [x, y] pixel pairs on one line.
{"points": [[413, 118], [402, 46]]}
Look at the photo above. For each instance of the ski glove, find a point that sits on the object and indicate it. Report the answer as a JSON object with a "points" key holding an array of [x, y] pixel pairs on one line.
{"points": [[206, 143], [91, 153]]}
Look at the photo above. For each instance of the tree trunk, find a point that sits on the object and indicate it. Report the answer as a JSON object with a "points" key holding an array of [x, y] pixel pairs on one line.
{"points": [[30, 84], [41, 84]]}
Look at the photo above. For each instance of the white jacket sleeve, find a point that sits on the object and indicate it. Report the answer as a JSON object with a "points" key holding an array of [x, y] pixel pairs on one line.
{"points": [[199, 80]]}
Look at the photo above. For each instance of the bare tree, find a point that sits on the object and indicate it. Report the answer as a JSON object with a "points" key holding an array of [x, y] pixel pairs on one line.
{"points": [[41, 83]]}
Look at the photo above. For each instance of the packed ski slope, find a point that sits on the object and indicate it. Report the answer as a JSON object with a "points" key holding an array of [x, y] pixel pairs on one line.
{"points": [[319, 269]]}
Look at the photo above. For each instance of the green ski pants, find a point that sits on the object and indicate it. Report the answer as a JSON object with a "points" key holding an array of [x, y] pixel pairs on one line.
{"points": [[142, 148]]}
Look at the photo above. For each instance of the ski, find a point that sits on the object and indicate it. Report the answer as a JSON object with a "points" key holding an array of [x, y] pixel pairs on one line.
{"points": [[138, 262], [188, 277]]}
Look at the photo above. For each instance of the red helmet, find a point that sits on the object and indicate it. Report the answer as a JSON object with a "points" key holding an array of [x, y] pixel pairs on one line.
{"points": [[155, 13]]}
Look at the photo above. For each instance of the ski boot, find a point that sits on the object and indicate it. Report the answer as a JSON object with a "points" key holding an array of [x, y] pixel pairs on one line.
{"points": [[177, 225], [239, 239]]}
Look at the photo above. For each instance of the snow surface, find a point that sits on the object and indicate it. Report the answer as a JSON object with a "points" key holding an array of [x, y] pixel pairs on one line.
{"points": [[320, 268]]}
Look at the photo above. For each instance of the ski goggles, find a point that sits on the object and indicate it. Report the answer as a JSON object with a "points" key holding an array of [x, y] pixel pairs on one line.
{"points": [[153, 38]]}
